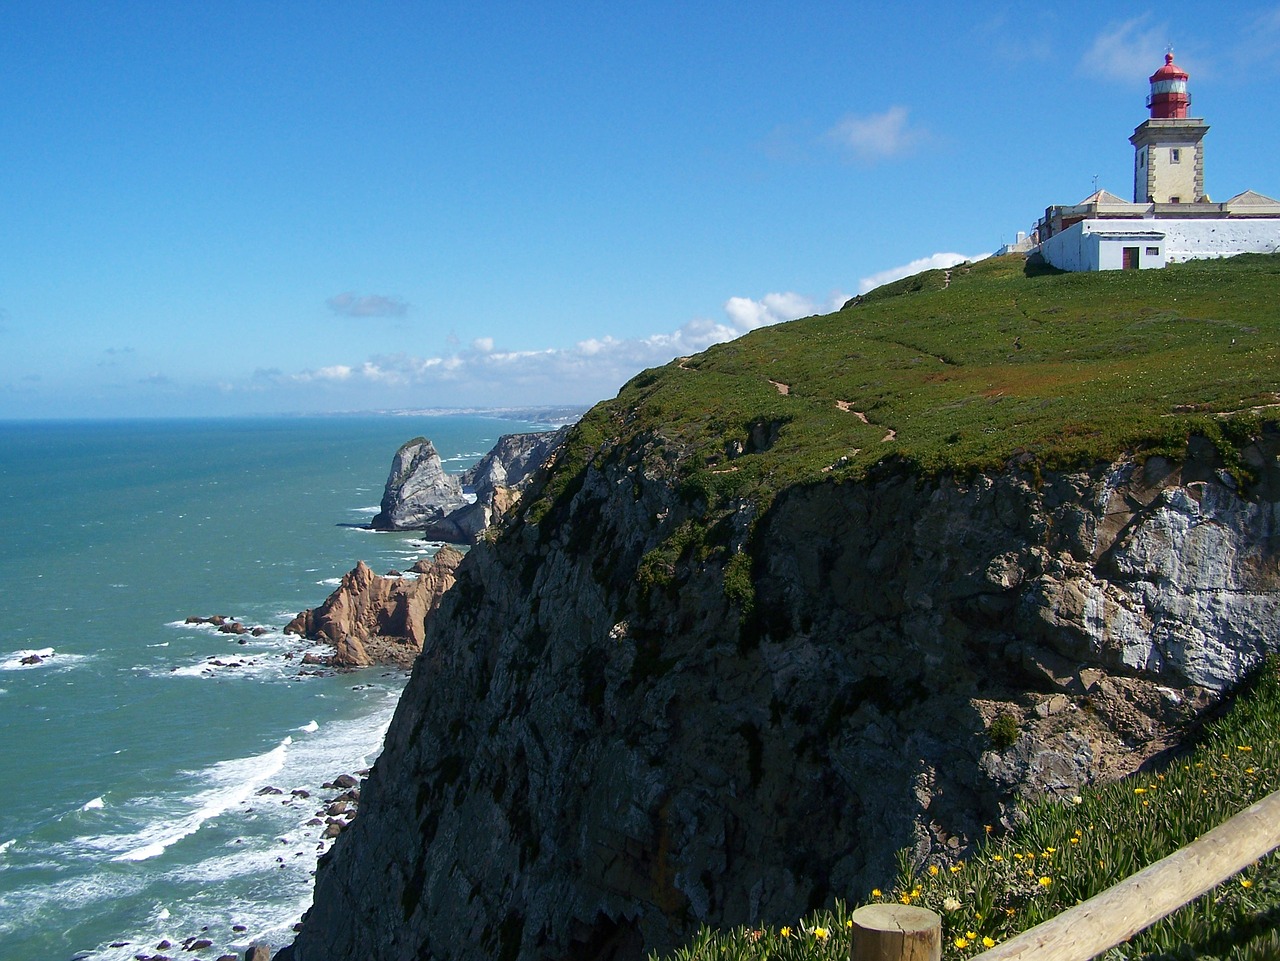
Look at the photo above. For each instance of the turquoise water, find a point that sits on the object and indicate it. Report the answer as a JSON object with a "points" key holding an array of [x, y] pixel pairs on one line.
{"points": [[132, 762]]}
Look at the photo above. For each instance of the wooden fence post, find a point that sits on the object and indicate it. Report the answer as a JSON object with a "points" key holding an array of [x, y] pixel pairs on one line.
{"points": [[896, 932]]}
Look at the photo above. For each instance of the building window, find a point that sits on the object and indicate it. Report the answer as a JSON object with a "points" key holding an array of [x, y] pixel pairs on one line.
{"points": [[1175, 200], [1153, 251], [1175, 155], [1142, 158]]}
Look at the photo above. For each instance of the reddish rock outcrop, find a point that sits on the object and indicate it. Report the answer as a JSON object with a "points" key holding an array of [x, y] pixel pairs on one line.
{"points": [[371, 619]]}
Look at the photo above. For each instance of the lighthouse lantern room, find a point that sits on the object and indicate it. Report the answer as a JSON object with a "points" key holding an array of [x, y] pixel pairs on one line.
{"points": [[1168, 161]]}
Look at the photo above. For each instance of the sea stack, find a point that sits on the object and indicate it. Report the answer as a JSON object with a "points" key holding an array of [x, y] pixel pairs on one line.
{"points": [[419, 494]]}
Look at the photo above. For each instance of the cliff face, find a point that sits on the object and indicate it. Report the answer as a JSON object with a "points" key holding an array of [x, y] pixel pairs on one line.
{"points": [[616, 731]]}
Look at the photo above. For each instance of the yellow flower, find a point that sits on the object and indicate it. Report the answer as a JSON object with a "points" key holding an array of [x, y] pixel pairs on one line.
{"points": [[988, 942], [786, 932], [821, 934], [971, 936], [997, 857], [849, 923], [1244, 747], [1139, 790], [1077, 799], [1075, 840], [1045, 882], [961, 942], [905, 897], [933, 870], [955, 868], [1246, 883]]}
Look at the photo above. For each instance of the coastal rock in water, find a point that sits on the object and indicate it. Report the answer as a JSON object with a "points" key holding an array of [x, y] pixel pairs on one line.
{"points": [[371, 619], [499, 478], [513, 461], [613, 735], [419, 495]]}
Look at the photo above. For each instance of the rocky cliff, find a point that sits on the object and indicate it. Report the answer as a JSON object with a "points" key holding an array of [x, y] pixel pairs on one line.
{"points": [[419, 495], [633, 713], [373, 619]]}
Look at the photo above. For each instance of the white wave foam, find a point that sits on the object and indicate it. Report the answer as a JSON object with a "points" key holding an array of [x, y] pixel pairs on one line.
{"points": [[94, 805], [6, 845], [310, 727], [366, 510], [48, 658], [234, 783], [330, 582]]}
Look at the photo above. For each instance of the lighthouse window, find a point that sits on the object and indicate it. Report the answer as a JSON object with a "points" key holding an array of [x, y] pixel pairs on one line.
{"points": [[1175, 155], [1142, 158]]}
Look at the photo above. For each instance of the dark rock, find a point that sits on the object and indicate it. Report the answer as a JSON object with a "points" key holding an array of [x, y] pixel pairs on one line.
{"points": [[345, 781], [261, 792], [32, 659], [232, 627]]}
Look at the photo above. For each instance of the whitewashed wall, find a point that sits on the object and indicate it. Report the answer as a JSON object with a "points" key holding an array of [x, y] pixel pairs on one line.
{"points": [[1088, 246]]}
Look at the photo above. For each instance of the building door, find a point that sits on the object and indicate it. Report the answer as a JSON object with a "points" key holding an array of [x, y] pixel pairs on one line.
{"points": [[1129, 258]]}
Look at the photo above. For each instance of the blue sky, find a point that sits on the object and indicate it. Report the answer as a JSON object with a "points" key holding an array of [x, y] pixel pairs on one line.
{"points": [[218, 208]]}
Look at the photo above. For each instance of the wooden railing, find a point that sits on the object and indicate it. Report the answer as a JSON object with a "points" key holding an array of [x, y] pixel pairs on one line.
{"points": [[889, 932]]}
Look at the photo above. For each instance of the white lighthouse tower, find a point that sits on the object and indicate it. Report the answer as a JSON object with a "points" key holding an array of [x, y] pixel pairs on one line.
{"points": [[1168, 160]]}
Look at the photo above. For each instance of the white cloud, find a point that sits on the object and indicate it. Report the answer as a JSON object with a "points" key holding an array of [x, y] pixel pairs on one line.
{"points": [[747, 314], [877, 136], [349, 304], [932, 262], [337, 372], [1127, 52], [590, 369]]}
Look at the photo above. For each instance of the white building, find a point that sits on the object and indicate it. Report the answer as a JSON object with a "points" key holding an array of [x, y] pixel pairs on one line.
{"points": [[1171, 218]]}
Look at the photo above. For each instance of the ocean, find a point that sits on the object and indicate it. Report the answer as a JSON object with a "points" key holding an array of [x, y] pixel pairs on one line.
{"points": [[134, 746]]}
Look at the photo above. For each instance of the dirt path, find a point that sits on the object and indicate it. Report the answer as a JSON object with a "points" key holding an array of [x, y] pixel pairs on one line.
{"points": [[783, 389]]}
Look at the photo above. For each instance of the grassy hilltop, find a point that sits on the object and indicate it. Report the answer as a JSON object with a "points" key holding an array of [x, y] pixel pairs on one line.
{"points": [[969, 369]]}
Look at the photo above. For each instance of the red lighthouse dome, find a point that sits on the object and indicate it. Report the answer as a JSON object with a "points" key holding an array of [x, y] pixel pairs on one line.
{"points": [[1169, 99]]}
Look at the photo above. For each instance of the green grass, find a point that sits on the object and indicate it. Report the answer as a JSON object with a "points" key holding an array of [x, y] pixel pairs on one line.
{"points": [[1066, 852], [1056, 370], [998, 366]]}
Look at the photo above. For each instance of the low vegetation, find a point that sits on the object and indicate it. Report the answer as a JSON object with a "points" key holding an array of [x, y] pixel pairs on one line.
{"points": [[1068, 850], [966, 370]]}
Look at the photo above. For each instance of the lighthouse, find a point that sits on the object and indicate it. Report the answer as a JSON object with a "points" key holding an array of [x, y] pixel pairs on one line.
{"points": [[1168, 159]]}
